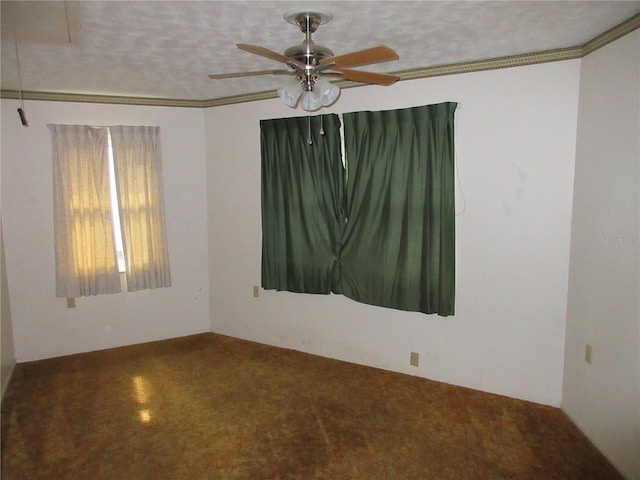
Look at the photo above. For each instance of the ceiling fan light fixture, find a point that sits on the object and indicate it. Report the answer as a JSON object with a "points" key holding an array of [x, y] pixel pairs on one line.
{"points": [[329, 92], [290, 92], [311, 101]]}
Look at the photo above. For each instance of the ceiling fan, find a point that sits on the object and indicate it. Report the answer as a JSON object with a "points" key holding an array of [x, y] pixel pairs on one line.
{"points": [[308, 64]]}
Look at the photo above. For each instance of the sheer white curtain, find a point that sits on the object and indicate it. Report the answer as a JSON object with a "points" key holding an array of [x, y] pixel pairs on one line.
{"points": [[86, 262], [136, 153]]}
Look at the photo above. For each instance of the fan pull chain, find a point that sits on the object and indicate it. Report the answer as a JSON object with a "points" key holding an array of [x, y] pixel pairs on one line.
{"points": [[321, 124], [309, 141], [66, 16], [21, 113]]}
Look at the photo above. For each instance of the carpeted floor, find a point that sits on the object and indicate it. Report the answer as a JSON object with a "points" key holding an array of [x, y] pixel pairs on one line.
{"points": [[209, 407]]}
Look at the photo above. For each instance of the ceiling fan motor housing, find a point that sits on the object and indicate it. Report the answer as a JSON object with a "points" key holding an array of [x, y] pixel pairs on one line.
{"points": [[309, 53], [308, 22]]}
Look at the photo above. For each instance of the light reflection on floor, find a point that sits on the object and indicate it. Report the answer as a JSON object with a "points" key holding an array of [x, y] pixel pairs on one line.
{"points": [[141, 395]]}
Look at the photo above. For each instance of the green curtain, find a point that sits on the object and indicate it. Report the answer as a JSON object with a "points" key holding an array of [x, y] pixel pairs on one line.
{"points": [[399, 243], [302, 203]]}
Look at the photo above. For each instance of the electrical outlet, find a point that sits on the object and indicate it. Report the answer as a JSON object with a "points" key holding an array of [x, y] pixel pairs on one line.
{"points": [[587, 353], [415, 359], [71, 303], [256, 291]]}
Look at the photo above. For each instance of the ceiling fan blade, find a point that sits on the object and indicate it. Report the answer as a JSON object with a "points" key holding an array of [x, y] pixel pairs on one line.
{"points": [[265, 52], [363, 57], [221, 76], [367, 77]]}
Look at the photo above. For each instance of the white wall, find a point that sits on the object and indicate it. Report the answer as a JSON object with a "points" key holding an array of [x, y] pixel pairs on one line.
{"points": [[7, 349], [43, 326], [515, 138], [603, 397]]}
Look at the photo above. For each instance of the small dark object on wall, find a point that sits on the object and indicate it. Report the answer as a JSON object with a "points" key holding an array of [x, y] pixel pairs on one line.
{"points": [[23, 117]]}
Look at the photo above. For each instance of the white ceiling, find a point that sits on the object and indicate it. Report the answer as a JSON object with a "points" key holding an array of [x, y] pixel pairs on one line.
{"points": [[166, 49]]}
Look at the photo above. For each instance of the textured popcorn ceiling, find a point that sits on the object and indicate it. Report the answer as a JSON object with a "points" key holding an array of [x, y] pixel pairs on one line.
{"points": [[166, 49]]}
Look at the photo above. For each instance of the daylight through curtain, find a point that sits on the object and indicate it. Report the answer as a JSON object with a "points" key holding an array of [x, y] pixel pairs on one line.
{"points": [[138, 165], [84, 246]]}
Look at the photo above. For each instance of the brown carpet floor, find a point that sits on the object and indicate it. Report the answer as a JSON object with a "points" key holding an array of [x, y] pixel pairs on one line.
{"points": [[209, 407]]}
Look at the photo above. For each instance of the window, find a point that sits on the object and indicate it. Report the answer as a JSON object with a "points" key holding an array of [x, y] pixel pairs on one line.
{"points": [[113, 196], [399, 244], [302, 215], [89, 202], [379, 231]]}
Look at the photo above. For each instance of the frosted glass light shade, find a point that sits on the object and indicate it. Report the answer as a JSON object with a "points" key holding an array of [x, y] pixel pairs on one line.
{"points": [[329, 92], [290, 92], [311, 101]]}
